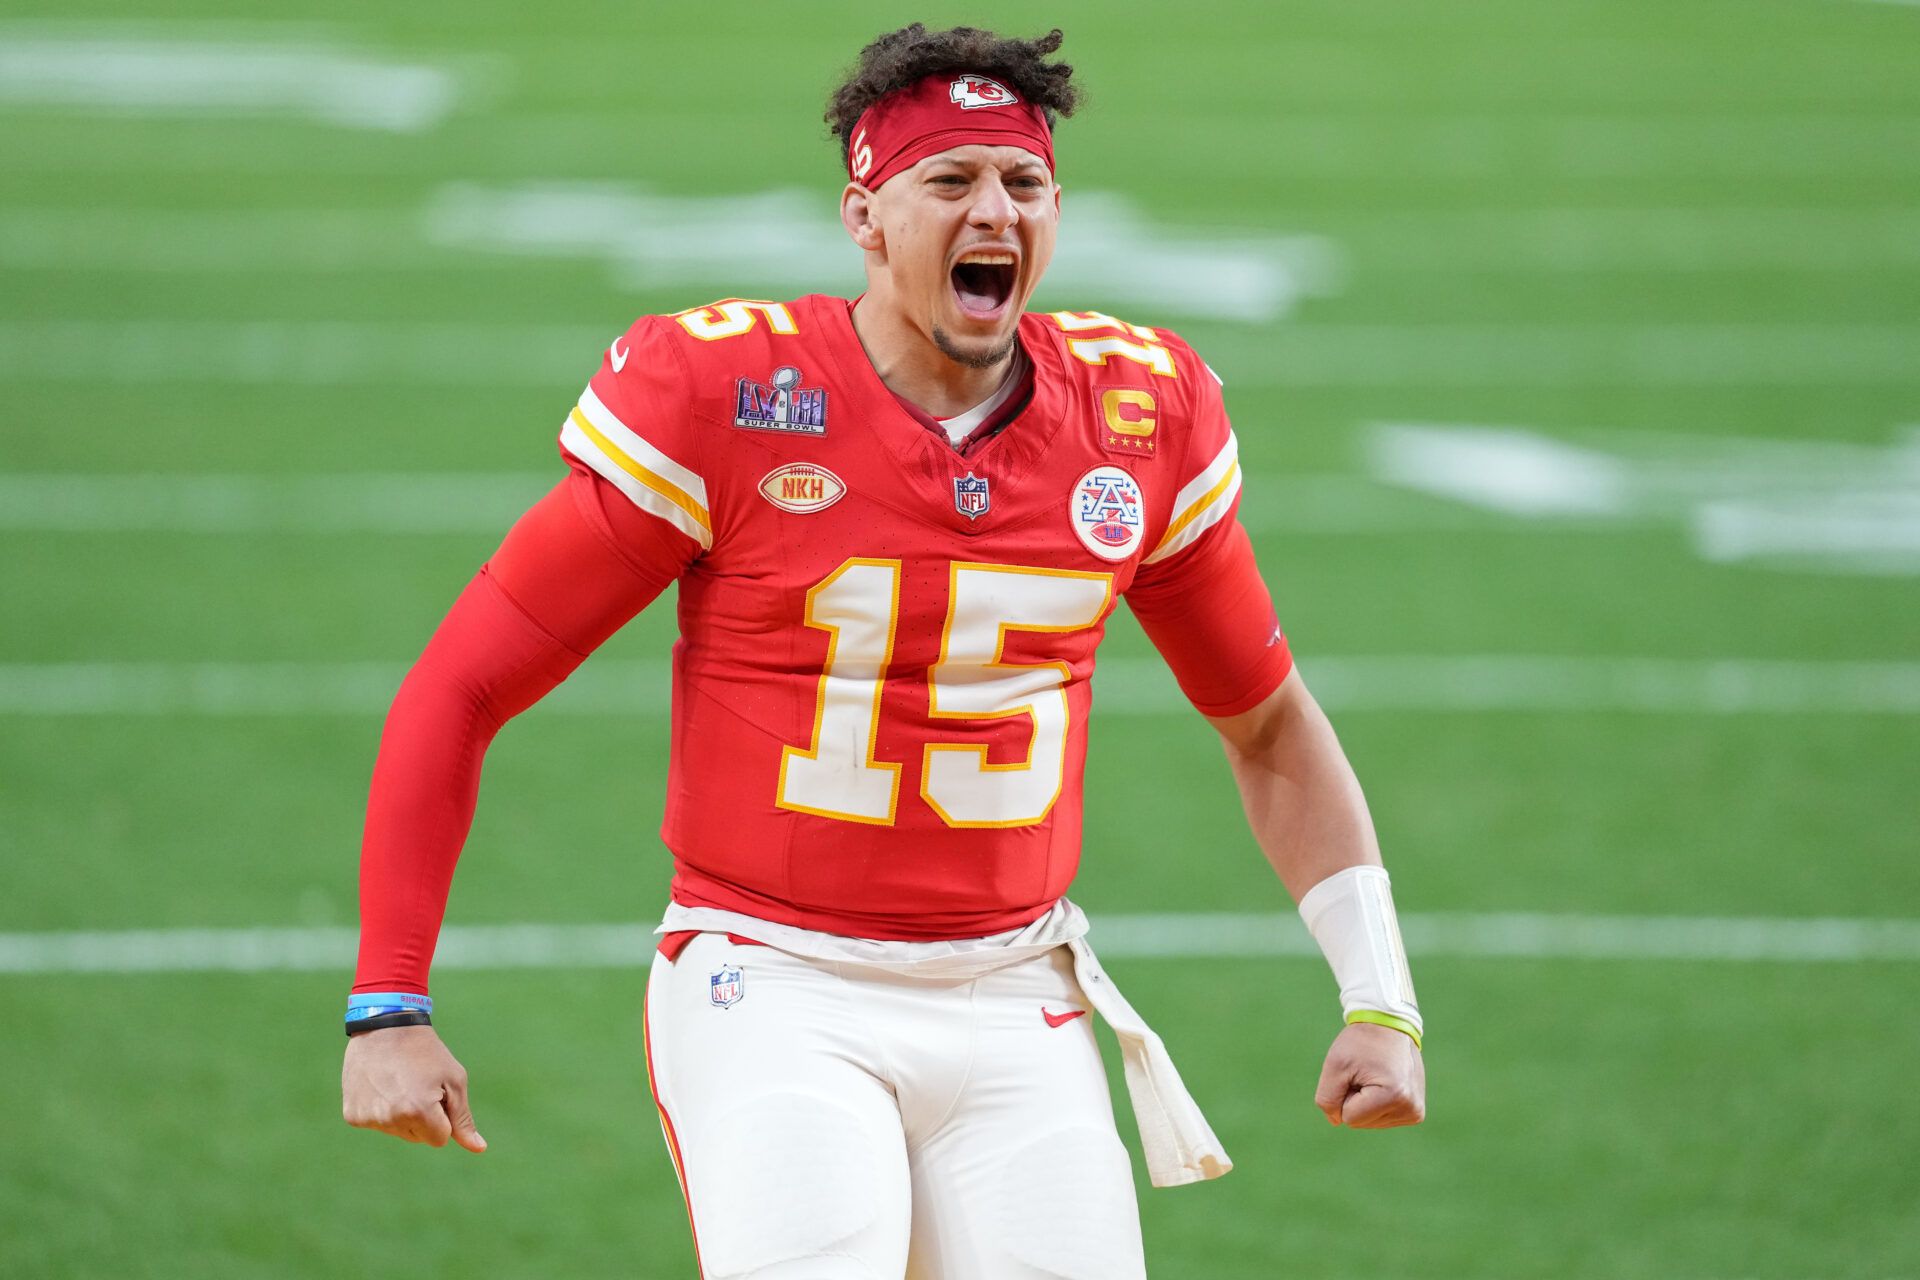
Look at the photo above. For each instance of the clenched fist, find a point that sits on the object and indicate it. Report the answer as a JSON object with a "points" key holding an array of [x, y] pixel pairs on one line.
{"points": [[402, 1081], [1373, 1079]]}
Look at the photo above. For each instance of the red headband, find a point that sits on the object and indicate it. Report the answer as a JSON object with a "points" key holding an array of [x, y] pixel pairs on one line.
{"points": [[950, 109]]}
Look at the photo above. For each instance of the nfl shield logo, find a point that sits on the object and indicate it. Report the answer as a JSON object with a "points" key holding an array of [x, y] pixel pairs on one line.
{"points": [[970, 497], [727, 986]]}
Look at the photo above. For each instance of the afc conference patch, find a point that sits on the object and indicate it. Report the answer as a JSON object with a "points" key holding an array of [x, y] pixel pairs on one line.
{"points": [[1108, 512], [726, 987], [781, 404]]}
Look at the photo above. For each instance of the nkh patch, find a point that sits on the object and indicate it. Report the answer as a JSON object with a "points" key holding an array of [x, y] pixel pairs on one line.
{"points": [[970, 496], [781, 404], [802, 487], [1108, 512], [726, 987]]}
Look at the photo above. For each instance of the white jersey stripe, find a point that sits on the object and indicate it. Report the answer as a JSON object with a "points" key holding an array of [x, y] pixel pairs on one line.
{"points": [[644, 488], [630, 442], [1204, 501]]}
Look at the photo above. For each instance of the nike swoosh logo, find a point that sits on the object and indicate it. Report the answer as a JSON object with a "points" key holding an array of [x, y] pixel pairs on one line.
{"points": [[619, 357], [1061, 1019]]}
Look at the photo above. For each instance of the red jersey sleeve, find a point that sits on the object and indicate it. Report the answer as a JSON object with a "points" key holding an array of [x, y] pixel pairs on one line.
{"points": [[633, 427], [595, 551], [1198, 594]]}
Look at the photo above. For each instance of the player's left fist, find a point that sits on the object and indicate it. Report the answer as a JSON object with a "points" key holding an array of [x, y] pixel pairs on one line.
{"points": [[1374, 1078]]}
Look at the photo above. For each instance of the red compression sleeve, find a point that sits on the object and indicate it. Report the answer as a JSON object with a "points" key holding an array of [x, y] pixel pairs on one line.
{"points": [[1209, 614], [576, 567]]}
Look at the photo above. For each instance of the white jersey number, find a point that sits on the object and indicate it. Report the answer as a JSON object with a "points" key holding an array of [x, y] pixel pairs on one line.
{"points": [[858, 605]]}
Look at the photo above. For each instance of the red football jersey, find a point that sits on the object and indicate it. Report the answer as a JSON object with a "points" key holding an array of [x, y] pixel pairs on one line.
{"points": [[881, 688]]}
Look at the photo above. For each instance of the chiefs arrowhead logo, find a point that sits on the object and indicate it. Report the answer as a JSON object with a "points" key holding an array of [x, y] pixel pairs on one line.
{"points": [[974, 92]]}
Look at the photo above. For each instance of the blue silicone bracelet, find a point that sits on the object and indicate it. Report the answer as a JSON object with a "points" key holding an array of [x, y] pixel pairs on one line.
{"points": [[371, 1004]]}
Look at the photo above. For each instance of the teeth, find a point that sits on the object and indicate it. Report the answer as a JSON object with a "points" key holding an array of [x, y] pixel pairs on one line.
{"points": [[989, 259]]}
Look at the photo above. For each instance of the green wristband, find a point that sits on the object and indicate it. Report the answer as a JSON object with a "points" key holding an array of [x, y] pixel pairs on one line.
{"points": [[1379, 1019]]}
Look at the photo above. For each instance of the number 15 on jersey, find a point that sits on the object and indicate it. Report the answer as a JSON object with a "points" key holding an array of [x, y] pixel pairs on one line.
{"points": [[858, 606]]}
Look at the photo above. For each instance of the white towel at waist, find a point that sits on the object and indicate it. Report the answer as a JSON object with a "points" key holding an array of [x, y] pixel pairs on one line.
{"points": [[1179, 1144]]}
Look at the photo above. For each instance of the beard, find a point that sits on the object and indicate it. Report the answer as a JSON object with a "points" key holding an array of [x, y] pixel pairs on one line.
{"points": [[977, 357]]}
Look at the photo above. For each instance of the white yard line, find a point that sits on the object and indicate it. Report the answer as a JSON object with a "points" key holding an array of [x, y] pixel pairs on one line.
{"points": [[301, 353], [1827, 506], [1669, 239], [484, 502], [647, 245], [276, 241], [1655, 141], [1203, 935], [789, 241], [487, 502], [1518, 683], [557, 357], [147, 76], [785, 241]]}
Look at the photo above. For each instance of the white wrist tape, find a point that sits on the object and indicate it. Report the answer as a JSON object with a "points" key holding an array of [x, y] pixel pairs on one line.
{"points": [[1350, 914]]}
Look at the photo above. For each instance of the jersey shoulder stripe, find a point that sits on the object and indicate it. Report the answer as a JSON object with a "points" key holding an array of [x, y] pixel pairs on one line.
{"points": [[1203, 502], [649, 478]]}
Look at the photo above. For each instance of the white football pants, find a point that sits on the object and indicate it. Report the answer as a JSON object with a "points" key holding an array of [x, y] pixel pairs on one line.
{"points": [[833, 1121]]}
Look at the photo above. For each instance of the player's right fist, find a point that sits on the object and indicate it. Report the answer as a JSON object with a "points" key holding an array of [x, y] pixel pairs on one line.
{"points": [[402, 1081]]}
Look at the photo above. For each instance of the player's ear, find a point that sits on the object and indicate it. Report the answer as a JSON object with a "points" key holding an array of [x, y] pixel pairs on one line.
{"points": [[856, 215]]}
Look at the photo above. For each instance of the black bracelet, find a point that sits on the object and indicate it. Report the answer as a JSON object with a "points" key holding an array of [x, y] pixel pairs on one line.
{"points": [[381, 1021]]}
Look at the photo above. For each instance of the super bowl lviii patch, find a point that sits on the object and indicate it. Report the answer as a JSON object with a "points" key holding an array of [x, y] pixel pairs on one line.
{"points": [[781, 404], [1108, 512], [727, 987]]}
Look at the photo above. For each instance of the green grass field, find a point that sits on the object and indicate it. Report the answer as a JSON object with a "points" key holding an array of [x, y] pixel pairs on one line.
{"points": [[1646, 230]]}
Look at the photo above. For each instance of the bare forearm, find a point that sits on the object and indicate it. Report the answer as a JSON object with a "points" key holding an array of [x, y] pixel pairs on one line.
{"points": [[1300, 795]]}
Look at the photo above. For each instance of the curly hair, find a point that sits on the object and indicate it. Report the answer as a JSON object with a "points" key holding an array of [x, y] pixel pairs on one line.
{"points": [[901, 57]]}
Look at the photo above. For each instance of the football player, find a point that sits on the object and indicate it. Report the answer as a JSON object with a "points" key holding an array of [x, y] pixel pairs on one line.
{"points": [[899, 525]]}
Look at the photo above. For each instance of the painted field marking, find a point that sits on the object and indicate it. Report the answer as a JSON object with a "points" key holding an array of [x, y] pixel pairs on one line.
{"points": [[1807, 504], [300, 353], [481, 502], [106, 71], [791, 241], [1864, 531], [1664, 239], [196, 241], [1200, 935], [775, 242], [1655, 140], [1259, 269], [1123, 686], [488, 502], [556, 357]]}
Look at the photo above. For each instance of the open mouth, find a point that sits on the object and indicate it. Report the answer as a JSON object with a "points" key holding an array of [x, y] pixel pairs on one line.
{"points": [[983, 284]]}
